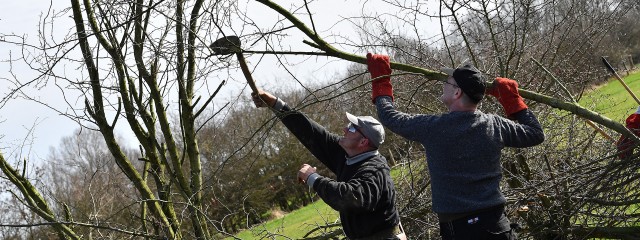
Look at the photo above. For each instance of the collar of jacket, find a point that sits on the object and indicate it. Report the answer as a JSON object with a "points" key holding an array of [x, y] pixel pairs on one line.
{"points": [[360, 157]]}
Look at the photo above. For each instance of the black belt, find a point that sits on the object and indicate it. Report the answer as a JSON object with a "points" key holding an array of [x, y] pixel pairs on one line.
{"points": [[450, 217], [389, 232]]}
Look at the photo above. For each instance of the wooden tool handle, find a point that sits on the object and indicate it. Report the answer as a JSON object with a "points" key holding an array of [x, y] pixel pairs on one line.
{"points": [[606, 63], [246, 72]]}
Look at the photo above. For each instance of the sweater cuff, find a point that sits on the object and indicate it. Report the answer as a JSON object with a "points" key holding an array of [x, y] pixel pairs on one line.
{"points": [[279, 105], [312, 179], [382, 99]]}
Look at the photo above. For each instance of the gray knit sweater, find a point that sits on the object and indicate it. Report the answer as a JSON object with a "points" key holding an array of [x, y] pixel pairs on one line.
{"points": [[463, 151]]}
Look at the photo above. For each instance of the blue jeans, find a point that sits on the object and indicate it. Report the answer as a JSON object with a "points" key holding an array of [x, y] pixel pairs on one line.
{"points": [[492, 225]]}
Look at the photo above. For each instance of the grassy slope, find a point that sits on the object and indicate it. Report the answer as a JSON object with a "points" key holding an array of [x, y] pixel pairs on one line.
{"points": [[615, 102], [295, 224], [612, 99]]}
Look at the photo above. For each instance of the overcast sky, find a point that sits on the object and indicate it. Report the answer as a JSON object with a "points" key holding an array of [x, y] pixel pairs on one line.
{"points": [[24, 123], [28, 130]]}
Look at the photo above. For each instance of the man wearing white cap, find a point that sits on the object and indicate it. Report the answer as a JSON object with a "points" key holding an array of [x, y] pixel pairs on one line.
{"points": [[363, 192], [463, 146]]}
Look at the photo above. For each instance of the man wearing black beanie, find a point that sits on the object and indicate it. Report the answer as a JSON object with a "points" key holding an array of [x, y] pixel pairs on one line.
{"points": [[463, 147]]}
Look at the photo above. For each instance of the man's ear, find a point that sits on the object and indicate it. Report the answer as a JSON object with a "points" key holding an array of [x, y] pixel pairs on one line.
{"points": [[364, 141], [458, 93]]}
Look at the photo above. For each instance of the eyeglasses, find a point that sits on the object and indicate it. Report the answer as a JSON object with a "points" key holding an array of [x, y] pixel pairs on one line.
{"points": [[352, 128], [447, 82]]}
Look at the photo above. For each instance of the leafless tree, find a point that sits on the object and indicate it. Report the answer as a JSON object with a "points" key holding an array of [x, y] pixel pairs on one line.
{"points": [[141, 63], [146, 66]]}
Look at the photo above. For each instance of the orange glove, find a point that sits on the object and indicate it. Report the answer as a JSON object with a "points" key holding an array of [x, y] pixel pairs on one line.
{"points": [[625, 144], [379, 65], [506, 91]]}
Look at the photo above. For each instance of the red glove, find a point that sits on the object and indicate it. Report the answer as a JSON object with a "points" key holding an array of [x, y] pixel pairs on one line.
{"points": [[379, 65], [506, 91], [625, 144]]}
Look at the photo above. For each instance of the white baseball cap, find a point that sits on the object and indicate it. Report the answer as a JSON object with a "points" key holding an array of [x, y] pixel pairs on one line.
{"points": [[369, 127]]}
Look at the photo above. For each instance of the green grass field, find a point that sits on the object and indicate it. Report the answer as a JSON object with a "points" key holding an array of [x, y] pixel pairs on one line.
{"points": [[610, 99], [294, 224]]}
